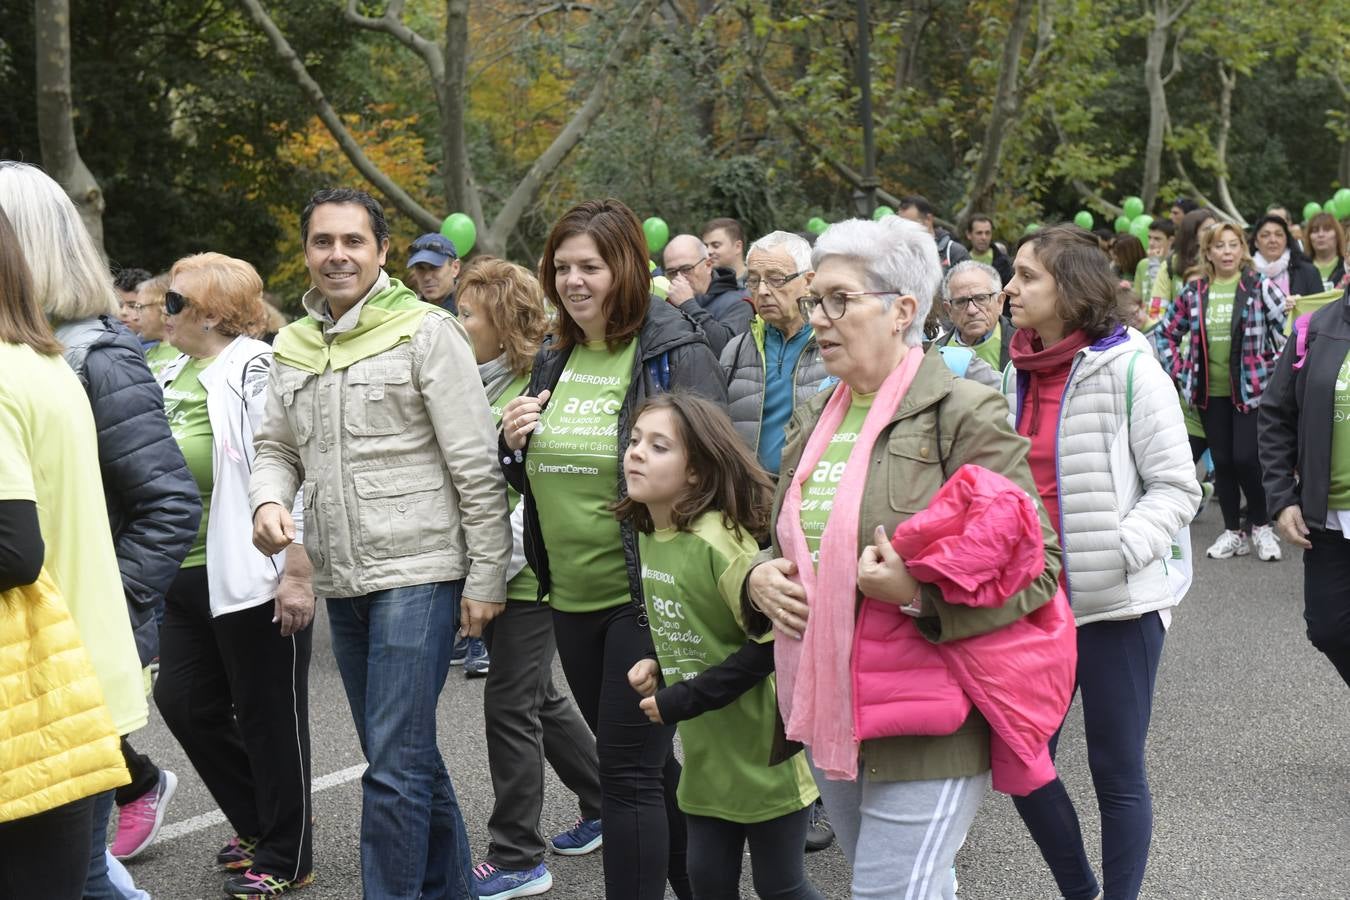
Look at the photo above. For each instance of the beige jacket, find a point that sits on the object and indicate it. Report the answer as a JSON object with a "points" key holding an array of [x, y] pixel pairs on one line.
{"points": [[394, 449]]}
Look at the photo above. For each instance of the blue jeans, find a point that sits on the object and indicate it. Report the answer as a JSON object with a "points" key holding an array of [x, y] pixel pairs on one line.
{"points": [[99, 885], [1117, 670], [393, 652]]}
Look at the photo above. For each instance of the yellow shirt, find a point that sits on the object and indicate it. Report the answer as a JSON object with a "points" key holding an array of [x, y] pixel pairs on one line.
{"points": [[49, 455]]}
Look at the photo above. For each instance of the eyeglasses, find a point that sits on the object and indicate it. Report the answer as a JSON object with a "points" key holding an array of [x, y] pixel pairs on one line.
{"points": [[776, 281], [174, 303], [137, 307], [973, 299], [677, 271], [835, 305]]}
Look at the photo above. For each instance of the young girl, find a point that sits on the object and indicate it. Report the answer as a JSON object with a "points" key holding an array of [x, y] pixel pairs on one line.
{"points": [[698, 500]]}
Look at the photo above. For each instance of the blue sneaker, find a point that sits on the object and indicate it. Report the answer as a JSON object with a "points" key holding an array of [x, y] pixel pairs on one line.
{"points": [[459, 651], [584, 837], [476, 659], [498, 884]]}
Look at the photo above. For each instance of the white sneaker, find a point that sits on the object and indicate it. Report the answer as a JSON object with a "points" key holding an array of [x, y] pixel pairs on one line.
{"points": [[1230, 544], [1267, 545]]}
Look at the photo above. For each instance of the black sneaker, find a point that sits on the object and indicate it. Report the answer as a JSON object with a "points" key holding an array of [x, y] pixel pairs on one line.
{"points": [[820, 834], [251, 885]]}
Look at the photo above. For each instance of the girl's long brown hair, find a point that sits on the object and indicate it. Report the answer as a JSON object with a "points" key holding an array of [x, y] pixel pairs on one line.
{"points": [[21, 320], [730, 478]]}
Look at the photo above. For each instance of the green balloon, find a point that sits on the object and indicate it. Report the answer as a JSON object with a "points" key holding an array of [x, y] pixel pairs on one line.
{"points": [[1342, 198], [1310, 209], [1032, 228], [882, 212], [816, 225], [1133, 207], [1084, 220], [657, 232], [1122, 224], [1334, 207], [1139, 226], [460, 229]]}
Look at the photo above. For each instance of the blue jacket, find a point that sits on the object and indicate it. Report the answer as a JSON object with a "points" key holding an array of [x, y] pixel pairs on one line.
{"points": [[154, 507]]}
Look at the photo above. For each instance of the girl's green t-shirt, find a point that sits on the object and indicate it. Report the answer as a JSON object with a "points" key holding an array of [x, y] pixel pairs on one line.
{"points": [[185, 405], [692, 581], [1325, 269], [818, 490], [1219, 335], [573, 467]]}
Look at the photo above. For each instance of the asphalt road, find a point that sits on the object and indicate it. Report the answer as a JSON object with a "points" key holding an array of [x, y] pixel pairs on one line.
{"points": [[1249, 758]]}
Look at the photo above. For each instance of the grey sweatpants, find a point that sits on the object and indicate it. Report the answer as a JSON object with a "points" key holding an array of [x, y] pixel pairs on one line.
{"points": [[527, 722], [901, 837]]}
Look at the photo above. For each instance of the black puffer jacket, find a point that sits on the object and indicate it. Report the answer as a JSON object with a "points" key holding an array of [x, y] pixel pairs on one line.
{"points": [[723, 311], [154, 506], [668, 342]]}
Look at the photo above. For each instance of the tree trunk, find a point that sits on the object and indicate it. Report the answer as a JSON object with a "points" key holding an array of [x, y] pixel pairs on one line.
{"points": [[451, 98], [1228, 82], [1157, 104], [1343, 170], [1007, 104], [55, 113]]}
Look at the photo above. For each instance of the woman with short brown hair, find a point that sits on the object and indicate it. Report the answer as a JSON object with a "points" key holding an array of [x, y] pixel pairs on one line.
{"points": [[616, 346]]}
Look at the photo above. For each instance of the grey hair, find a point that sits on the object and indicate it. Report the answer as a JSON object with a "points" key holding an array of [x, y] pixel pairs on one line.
{"points": [[895, 254], [71, 281], [794, 245], [970, 265]]}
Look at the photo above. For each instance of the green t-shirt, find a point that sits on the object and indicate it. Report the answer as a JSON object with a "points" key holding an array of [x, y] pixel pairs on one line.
{"points": [[987, 257], [818, 491], [185, 405], [160, 355], [693, 580], [989, 349], [525, 586], [1325, 270], [573, 467], [1219, 334], [49, 456], [1338, 493]]}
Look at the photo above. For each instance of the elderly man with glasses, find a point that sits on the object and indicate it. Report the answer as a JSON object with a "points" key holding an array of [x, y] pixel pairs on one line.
{"points": [[972, 298], [775, 365]]}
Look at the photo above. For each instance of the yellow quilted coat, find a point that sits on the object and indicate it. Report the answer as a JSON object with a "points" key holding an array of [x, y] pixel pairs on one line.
{"points": [[57, 740]]}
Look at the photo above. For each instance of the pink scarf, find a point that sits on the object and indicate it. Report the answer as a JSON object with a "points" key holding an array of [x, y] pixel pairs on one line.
{"points": [[814, 677]]}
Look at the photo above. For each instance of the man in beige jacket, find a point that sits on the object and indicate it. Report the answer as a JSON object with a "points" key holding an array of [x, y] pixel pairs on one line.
{"points": [[377, 414]]}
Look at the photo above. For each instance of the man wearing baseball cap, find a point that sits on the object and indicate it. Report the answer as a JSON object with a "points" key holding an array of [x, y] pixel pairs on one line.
{"points": [[433, 269]]}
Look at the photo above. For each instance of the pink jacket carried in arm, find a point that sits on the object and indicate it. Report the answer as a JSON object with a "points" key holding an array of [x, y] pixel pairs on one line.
{"points": [[980, 542]]}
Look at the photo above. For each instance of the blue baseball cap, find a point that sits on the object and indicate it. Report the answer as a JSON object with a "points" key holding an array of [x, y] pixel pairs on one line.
{"points": [[433, 249]]}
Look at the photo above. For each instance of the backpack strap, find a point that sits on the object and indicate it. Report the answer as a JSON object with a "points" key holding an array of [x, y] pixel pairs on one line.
{"points": [[1301, 325], [1129, 385], [658, 370]]}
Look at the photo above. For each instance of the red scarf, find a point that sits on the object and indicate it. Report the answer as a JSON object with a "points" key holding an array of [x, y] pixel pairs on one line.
{"points": [[1029, 355]]}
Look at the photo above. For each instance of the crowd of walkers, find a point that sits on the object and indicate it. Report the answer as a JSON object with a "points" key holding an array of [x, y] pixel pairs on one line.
{"points": [[855, 516]]}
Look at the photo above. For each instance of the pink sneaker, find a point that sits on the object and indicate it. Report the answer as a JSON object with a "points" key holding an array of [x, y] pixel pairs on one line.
{"points": [[138, 822]]}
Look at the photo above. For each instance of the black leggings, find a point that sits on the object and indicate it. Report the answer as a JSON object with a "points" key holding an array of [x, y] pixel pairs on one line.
{"points": [[1326, 596], [47, 855], [777, 860], [644, 829], [1237, 471]]}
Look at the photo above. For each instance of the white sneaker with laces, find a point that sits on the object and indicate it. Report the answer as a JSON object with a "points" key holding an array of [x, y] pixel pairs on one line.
{"points": [[1267, 544], [1230, 544]]}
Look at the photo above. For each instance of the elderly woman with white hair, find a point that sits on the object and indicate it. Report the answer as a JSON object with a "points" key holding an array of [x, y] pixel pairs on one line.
{"points": [[775, 366], [859, 460]]}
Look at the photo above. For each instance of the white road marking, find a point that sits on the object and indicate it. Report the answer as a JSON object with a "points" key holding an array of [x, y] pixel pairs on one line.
{"points": [[216, 817]]}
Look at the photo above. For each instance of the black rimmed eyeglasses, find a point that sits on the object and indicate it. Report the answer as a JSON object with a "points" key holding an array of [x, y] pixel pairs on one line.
{"points": [[835, 304]]}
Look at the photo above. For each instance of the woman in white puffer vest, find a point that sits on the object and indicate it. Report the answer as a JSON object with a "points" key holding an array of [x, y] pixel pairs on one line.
{"points": [[1112, 464]]}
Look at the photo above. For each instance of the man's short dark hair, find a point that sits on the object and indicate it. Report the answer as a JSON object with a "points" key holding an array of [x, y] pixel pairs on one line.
{"points": [[730, 226], [1163, 225], [378, 226], [130, 279], [975, 220], [920, 203]]}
